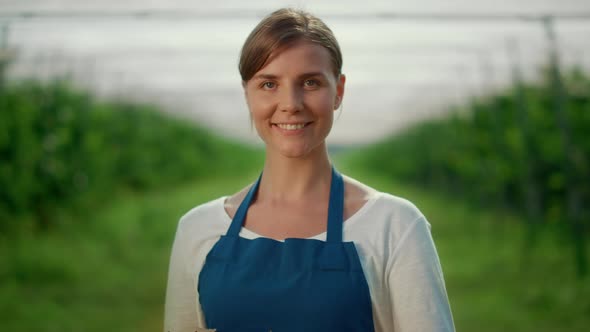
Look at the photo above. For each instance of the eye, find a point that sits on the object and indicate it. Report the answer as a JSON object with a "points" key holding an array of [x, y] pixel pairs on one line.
{"points": [[311, 83], [268, 85]]}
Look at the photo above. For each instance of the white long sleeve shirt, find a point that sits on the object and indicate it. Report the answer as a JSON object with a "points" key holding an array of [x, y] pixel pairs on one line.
{"points": [[395, 248]]}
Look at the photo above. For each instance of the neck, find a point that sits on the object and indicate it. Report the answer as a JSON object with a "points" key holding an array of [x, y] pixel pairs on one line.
{"points": [[287, 180]]}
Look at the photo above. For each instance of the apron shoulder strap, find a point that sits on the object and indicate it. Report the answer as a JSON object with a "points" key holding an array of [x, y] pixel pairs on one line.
{"points": [[240, 216], [336, 207]]}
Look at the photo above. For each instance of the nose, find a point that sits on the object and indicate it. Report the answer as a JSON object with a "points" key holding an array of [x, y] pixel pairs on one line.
{"points": [[291, 100]]}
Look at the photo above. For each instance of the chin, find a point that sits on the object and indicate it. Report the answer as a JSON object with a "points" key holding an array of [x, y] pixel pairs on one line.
{"points": [[296, 151], [293, 153]]}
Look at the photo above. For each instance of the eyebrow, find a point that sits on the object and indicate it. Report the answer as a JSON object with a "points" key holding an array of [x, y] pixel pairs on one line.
{"points": [[274, 77]]}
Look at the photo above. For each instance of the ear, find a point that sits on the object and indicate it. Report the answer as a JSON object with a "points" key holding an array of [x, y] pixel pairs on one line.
{"points": [[339, 91]]}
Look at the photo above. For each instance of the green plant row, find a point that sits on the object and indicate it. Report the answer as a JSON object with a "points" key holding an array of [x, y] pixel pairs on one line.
{"points": [[526, 148], [59, 146]]}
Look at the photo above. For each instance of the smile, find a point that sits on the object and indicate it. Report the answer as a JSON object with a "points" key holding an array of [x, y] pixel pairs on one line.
{"points": [[291, 126]]}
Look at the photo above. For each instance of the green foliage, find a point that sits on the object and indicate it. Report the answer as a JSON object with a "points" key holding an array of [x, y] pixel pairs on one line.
{"points": [[105, 271], [60, 147], [519, 149]]}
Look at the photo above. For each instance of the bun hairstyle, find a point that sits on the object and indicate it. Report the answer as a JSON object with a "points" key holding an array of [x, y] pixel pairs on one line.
{"points": [[280, 30]]}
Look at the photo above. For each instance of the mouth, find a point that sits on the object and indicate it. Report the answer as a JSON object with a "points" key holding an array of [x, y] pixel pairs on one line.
{"points": [[291, 126]]}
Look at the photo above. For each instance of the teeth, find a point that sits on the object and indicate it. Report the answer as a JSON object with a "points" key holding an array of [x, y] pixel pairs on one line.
{"points": [[291, 126]]}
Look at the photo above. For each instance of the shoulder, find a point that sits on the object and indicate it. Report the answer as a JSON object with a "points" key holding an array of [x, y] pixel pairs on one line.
{"points": [[400, 217], [387, 212], [397, 207], [202, 216], [197, 230]]}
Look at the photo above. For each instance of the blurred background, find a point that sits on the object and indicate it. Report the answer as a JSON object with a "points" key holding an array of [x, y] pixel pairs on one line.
{"points": [[117, 117]]}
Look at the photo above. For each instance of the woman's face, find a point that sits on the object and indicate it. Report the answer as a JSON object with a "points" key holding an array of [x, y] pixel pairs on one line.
{"points": [[292, 99]]}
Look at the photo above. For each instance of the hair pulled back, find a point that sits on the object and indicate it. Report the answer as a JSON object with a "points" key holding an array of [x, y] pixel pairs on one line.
{"points": [[280, 30]]}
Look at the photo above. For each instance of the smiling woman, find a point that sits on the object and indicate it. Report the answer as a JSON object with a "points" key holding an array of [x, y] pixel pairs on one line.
{"points": [[292, 100], [303, 248]]}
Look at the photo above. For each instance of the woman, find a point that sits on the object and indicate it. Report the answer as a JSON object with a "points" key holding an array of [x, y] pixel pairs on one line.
{"points": [[303, 248]]}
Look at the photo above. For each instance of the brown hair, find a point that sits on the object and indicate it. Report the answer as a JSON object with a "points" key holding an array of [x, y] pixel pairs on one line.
{"points": [[281, 29]]}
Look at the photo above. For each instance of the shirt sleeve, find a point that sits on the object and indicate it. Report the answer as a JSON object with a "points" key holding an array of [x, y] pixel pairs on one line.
{"points": [[416, 284], [181, 307]]}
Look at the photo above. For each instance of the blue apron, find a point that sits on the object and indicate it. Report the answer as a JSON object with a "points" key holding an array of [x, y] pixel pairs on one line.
{"points": [[297, 285]]}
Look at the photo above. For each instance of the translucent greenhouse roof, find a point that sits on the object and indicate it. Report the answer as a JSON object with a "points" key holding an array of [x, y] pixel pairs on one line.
{"points": [[404, 61]]}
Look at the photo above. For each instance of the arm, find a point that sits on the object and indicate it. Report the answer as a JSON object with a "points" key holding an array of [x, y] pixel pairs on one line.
{"points": [[416, 284], [180, 309]]}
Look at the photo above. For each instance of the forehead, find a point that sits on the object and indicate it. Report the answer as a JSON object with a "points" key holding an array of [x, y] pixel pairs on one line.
{"points": [[297, 57]]}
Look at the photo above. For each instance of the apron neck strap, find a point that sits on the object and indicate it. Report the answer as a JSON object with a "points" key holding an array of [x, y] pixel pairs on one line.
{"points": [[240, 216], [336, 205]]}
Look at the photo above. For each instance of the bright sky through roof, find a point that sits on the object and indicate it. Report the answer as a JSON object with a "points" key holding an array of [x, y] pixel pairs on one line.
{"points": [[399, 68]]}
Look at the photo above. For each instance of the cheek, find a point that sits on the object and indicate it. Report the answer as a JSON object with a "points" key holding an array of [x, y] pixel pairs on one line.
{"points": [[324, 103], [259, 108]]}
